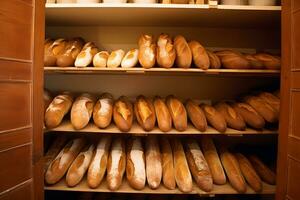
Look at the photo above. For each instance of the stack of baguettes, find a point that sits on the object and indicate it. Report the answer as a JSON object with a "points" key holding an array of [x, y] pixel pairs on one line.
{"points": [[165, 52], [253, 111], [153, 162]]}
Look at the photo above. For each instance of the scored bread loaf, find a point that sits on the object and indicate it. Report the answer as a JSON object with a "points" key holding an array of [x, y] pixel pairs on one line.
{"points": [[198, 165], [196, 115], [116, 164], [98, 164], [163, 116], [82, 110], [178, 113], [269, 61], [100, 59], [200, 57], [249, 172], [183, 52], [265, 173], [182, 172], [130, 59], [214, 60], [213, 160], [123, 114], [214, 118], [115, 58], [254, 62], [52, 50], [103, 110], [147, 51], [233, 119], [168, 174], [79, 166], [233, 60], [145, 113], [166, 53], [59, 166], [135, 163], [69, 54], [47, 99], [153, 162], [57, 109], [272, 100], [251, 117], [85, 57]]}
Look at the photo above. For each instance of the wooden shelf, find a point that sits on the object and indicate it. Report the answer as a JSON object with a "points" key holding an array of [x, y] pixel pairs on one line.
{"points": [[66, 126], [163, 15], [173, 71], [125, 188]]}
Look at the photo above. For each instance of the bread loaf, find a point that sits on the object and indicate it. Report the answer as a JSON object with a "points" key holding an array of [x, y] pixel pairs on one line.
{"points": [[153, 162], [145, 113], [233, 60], [180, 1], [79, 166], [69, 54], [135, 165], [116, 164], [233, 171], [123, 114], [265, 173], [168, 175], [47, 99], [166, 53], [233, 119], [82, 110], [182, 173], [100, 59], [213, 161], [57, 109], [198, 165], [183, 52], [200, 57], [59, 166], [251, 117], [178, 113], [272, 100], [214, 118], [196, 115], [269, 61], [115, 58], [130, 59], [98, 164], [51, 53], [254, 63], [249, 172], [214, 60], [85, 57], [163, 116], [147, 51], [103, 111]]}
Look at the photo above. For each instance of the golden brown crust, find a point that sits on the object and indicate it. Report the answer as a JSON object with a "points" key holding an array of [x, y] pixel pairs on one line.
{"points": [[53, 51], [269, 61], [163, 116], [196, 115], [254, 62], [200, 57], [183, 52], [178, 113], [123, 114], [214, 118], [145, 113], [233, 60], [103, 110], [272, 100], [147, 51], [165, 53], [214, 60]]}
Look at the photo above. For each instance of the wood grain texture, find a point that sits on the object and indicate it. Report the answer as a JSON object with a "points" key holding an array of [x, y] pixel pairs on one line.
{"points": [[12, 70], [15, 138], [20, 192]]}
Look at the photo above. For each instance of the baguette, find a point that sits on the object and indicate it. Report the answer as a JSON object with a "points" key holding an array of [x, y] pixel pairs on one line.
{"points": [[145, 113], [251, 117], [98, 165], [163, 116], [123, 114], [116, 164], [198, 165], [52, 51], [166, 53], [103, 111], [178, 113], [153, 162], [233, 60], [68, 56], [100, 59], [59, 166], [269, 61], [272, 100], [79, 166], [214, 60], [266, 174], [183, 52], [233, 171], [57, 109], [182, 173], [233, 119], [47, 99], [213, 161], [135, 167], [147, 51], [214, 118], [254, 62], [167, 164], [249, 172], [85, 57], [115, 58], [82, 110], [196, 115], [130, 59], [200, 57]]}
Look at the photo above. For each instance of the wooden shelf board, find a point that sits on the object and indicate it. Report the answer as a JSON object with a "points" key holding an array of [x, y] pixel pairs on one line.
{"points": [[66, 126], [162, 15], [177, 71], [125, 188]]}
